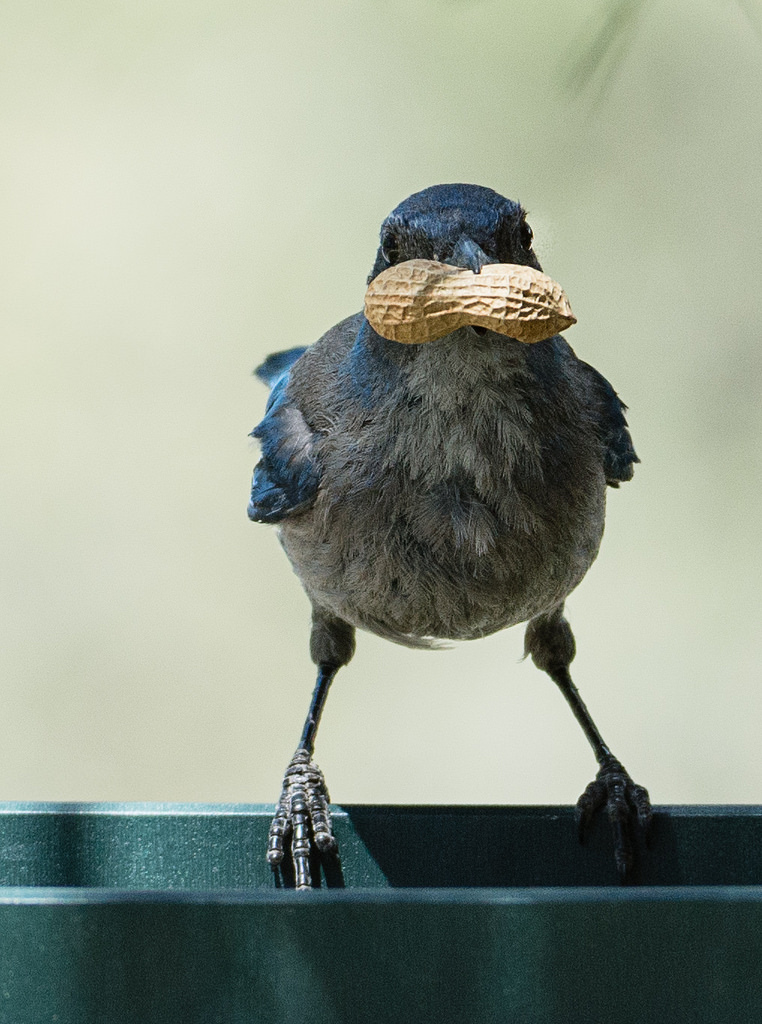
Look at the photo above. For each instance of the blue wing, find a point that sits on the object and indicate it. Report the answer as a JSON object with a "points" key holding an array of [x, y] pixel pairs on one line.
{"points": [[619, 455], [273, 368], [286, 478]]}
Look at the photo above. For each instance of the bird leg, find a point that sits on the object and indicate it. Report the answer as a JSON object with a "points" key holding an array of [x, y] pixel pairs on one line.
{"points": [[302, 814], [612, 786], [550, 641]]}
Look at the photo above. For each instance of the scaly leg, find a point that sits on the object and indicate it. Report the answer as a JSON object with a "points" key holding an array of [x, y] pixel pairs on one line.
{"points": [[303, 815], [303, 806], [550, 641]]}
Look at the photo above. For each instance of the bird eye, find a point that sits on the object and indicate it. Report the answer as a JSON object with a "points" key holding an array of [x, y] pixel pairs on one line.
{"points": [[389, 249], [526, 235]]}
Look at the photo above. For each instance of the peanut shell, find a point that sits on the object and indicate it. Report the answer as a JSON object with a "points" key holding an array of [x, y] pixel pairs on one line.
{"points": [[420, 300]]}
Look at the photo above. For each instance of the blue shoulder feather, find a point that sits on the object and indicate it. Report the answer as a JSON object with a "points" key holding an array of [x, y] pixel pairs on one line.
{"points": [[286, 478], [273, 368]]}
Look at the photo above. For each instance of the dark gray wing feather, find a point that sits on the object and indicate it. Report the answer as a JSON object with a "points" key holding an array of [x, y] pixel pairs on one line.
{"points": [[619, 456]]}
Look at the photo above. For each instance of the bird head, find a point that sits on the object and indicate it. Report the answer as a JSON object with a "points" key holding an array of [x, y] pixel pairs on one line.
{"points": [[457, 256], [466, 226]]}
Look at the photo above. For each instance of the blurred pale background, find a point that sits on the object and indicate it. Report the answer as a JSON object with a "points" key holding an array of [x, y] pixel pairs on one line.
{"points": [[187, 186]]}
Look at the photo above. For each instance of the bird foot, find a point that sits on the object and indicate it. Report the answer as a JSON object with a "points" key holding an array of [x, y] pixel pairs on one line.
{"points": [[303, 816], [623, 799]]}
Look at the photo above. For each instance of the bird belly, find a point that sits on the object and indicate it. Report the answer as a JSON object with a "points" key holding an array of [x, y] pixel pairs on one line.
{"points": [[409, 578]]}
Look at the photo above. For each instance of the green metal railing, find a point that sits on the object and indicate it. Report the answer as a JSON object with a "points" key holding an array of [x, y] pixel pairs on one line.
{"points": [[168, 913]]}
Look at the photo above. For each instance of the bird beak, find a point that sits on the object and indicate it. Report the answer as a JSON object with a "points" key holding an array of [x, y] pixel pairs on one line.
{"points": [[468, 256]]}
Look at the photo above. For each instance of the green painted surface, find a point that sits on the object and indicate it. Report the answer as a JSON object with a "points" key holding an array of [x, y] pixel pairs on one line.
{"points": [[141, 913], [199, 847]]}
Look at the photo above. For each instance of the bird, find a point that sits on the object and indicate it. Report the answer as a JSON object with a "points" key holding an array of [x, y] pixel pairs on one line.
{"points": [[439, 492]]}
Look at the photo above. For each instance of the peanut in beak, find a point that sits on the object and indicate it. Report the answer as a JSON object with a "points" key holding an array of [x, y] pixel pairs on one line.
{"points": [[420, 300]]}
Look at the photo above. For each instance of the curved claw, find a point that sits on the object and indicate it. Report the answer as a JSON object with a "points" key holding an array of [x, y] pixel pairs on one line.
{"points": [[614, 789], [303, 816]]}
